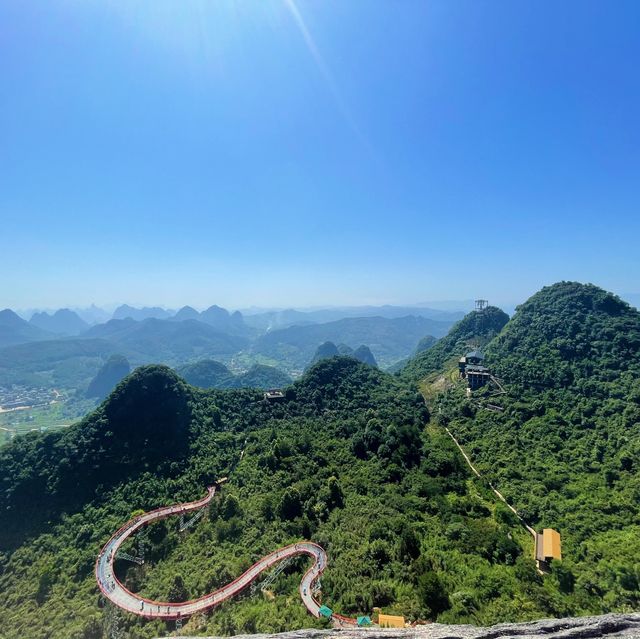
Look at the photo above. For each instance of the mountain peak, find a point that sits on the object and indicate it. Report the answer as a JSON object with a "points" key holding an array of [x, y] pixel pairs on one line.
{"points": [[185, 313], [64, 321], [566, 332], [324, 351], [363, 354], [113, 370], [11, 318]]}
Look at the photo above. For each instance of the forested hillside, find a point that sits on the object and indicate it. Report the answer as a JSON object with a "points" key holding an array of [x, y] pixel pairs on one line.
{"points": [[473, 331], [345, 460], [565, 449], [350, 460], [208, 373]]}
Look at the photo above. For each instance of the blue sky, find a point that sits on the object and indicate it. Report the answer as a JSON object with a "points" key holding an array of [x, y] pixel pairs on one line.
{"points": [[288, 152]]}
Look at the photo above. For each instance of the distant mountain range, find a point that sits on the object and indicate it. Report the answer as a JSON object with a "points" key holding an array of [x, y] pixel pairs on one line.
{"points": [[63, 349], [271, 320], [167, 341], [62, 322], [15, 330], [388, 339], [125, 311]]}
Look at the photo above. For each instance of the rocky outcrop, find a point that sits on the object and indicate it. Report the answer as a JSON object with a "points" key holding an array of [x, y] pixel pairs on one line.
{"points": [[611, 625]]}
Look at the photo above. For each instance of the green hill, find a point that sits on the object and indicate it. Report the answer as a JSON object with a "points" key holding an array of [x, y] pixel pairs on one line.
{"points": [[566, 335], [114, 369], [208, 373], [473, 331], [565, 447], [171, 342], [326, 350], [344, 461], [67, 363], [363, 354], [261, 376]]}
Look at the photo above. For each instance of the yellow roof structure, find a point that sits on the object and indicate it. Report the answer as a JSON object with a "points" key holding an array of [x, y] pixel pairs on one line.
{"points": [[390, 621], [551, 544]]}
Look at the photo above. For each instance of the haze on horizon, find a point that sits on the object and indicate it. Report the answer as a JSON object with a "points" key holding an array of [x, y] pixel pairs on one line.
{"points": [[290, 153]]}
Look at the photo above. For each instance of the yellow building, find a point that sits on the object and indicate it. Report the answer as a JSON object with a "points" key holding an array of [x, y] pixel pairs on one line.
{"points": [[390, 621], [551, 544], [548, 545]]}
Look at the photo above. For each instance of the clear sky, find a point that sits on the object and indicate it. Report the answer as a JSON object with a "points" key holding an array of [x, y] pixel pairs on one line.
{"points": [[294, 152]]}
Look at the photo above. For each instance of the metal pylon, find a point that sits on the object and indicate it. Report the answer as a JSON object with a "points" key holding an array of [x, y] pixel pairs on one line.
{"points": [[113, 622], [142, 543], [191, 522], [127, 557], [271, 577]]}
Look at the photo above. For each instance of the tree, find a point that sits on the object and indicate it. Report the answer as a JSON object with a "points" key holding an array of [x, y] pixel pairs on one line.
{"points": [[409, 547], [432, 593], [178, 591], [291, 504]]}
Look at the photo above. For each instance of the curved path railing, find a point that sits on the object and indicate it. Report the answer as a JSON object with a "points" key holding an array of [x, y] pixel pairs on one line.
{"points": [[116, 592]]}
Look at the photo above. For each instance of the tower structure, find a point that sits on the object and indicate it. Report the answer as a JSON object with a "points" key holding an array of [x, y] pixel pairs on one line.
{"points": [[481, 305]]}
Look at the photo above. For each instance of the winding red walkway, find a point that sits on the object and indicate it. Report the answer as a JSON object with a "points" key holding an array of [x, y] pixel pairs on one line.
{"points": [[116, 592]]}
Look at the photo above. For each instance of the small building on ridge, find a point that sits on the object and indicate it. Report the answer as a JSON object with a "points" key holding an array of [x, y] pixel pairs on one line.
{"points": [[472, 368]]}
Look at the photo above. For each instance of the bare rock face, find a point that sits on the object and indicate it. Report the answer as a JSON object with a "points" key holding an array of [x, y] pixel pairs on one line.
{"points": [[611, 625]]}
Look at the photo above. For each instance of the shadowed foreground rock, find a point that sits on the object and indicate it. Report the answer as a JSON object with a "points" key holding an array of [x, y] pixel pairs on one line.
{"points": [[612, 625]]}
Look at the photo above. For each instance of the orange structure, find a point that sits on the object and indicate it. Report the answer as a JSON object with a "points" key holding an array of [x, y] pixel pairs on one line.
{"points": [[390, 621], [551, 544], [548, 547]]}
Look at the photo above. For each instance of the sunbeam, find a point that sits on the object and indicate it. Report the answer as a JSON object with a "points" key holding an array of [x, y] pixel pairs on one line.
{"points": [[324, 69]]}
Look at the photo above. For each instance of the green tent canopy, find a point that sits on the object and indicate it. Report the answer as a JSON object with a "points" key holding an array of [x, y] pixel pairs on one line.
{"points": [[325, 611], [364, 621]]}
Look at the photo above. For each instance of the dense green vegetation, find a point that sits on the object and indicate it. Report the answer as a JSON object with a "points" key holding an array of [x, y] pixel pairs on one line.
{"points": [[345, 461], [566, 449], [350, 459], [262, 376], [207, 373]]}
